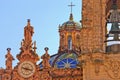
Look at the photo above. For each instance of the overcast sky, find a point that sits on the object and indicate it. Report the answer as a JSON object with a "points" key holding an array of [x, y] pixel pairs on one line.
{"points": [[45, 17]]}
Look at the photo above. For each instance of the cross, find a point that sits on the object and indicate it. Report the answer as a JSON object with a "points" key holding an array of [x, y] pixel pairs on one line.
{"points": [[71, 5]]}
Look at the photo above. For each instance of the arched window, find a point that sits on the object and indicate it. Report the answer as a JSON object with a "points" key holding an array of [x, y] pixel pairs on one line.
{"points": [[69, 42]]}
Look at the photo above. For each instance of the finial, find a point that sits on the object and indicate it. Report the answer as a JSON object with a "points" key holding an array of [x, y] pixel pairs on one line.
{"points": [[71, 17], [35, 47], [71, 5], [46, 49], [28, 20], [8, 49], [35, 44]]}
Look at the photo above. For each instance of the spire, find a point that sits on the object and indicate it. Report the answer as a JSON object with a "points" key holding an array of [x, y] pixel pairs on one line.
{"points": [[71, 16]]}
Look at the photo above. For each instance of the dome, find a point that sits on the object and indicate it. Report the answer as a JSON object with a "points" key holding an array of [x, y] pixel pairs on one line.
{"points": [[70, 24]]}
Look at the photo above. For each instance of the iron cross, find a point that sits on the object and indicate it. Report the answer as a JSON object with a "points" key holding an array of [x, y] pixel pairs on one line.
{"points": [[71, 5]]}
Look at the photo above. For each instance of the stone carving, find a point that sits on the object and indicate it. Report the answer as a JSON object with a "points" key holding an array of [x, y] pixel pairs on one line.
{"points": [[9, 59], [28, 31], [66, 72], [7, 77], [112, 67], [46, 58], [97, 64], [26, 43]]}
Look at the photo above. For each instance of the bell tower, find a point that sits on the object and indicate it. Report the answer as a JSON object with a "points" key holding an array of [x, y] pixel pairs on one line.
{"points": [[95, 35], [96, 14], [93, 23], [70, 35]]}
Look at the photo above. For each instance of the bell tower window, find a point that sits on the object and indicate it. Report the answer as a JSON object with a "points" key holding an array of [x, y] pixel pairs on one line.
{"points": [[113, 35], [69, 42]]}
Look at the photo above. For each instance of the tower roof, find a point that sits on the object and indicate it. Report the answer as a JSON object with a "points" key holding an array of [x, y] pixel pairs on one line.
{"points": [[70, 24]]}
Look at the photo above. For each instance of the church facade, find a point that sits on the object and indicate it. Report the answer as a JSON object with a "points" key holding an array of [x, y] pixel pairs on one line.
{"points": [[86, 51]]}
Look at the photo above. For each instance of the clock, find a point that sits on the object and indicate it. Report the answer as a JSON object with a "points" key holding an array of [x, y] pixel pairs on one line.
{"points": [[26, 69]]}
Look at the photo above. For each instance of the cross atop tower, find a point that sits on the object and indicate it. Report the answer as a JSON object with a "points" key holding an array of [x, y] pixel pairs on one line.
{"points": [[71, 5]]}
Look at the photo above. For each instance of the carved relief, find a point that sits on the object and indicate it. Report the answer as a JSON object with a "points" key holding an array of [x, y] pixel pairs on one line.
{"points": [[7, 77], [66, 72], [112, 67], [45, 76]]}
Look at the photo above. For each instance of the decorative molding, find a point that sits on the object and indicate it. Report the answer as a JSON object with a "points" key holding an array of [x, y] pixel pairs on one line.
{"points": [[112, 68]]}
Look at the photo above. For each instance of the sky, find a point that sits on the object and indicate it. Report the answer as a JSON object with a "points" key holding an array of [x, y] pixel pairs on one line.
{"points": [[45, 16]]}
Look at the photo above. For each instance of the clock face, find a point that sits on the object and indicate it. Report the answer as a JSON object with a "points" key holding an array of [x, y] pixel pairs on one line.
{"points": [[26, 69]]}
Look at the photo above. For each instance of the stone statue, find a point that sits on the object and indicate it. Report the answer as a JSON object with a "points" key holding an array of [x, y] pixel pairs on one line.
{"points": [[9, 59], [46, 58], [28, 32]]}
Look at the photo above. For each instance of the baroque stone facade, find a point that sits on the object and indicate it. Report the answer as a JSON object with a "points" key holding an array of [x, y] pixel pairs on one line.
{"points": [[84, 52]]}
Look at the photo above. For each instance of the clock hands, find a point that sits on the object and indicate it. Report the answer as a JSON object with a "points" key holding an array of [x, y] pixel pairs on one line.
{"points": [[27, 69]]}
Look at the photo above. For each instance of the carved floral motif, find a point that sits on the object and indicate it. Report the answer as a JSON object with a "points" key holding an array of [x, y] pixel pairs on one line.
{"points": [[112, 67], [66, 72]]}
